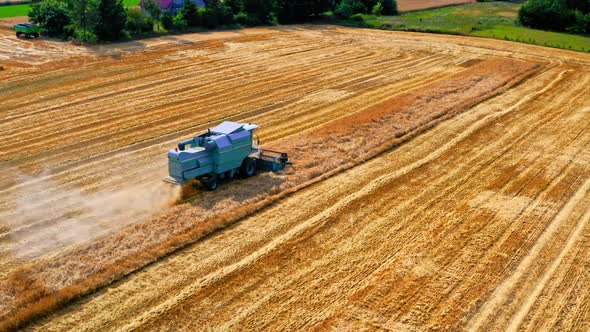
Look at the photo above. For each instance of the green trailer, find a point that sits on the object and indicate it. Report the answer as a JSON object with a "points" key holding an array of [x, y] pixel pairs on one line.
{"points": [[27, 30], [222, 152]]}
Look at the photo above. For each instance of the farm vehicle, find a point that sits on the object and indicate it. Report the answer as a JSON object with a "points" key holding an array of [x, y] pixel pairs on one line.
{"points": [[222, 153], [27, 30]]}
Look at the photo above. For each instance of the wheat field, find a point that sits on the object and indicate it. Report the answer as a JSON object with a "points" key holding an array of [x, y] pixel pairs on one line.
{"points": [[439, 182]]}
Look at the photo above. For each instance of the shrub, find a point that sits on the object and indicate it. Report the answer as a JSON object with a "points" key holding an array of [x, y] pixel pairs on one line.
{"points": [[368, 5], [178, 22], [346, 8], [137, 23], [167, 21], [237, 6], [358, 7], [190, 14], [52, 16], [343, 9], [215, 14], [357, 17], [89, 36], [273, 19], [208, 18], [69, 30], [83, 15], [111, 20], [377, 9], [581, 23], [245, 19], [224, 15], [241, 18], [153, 9]]}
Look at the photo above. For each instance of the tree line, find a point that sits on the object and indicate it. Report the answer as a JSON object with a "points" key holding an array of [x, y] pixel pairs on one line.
{"points": [[347, 8], [109, 20], [88, 20], [559, 15]]}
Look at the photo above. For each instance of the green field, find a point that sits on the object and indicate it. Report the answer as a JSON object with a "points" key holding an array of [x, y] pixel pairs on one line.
{"points": [[537, 37], [14, 10], [483, 19], [23, 10]]}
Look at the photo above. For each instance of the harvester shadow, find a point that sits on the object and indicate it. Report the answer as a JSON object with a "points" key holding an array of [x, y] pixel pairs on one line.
{"points": [[238, 191]]}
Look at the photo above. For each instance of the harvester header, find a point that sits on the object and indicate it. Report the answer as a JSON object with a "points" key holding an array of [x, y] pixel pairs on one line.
{"points": [[220, 153]]}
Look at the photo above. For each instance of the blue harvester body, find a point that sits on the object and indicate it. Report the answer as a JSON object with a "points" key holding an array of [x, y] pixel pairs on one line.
{"points": [[219, 153]]}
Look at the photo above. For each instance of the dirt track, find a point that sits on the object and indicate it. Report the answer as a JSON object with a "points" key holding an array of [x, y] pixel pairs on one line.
{"points": [[478, 223]]}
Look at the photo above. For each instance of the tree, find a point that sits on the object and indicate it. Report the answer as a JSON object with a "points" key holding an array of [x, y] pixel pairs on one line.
{"points": [[369, 4], [153, 8], [343, 9], [237, 6], [51, 15], [222, 12], [582, 6], [260, 11], [560, 15], [167, 21], [179, 22], [111, 20], [546, 14], [377, 9], [190, 14], [346, 8], [136, 22], [389, 7], [290, 11], [581, 23], [83, 13], [208, 17]]}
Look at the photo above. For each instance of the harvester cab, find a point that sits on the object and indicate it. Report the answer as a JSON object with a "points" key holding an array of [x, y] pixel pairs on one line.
{"points": [[221, 153]]}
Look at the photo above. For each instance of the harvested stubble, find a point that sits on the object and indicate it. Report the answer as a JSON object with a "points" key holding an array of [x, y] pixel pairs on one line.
{"points": [[338, 145], [287, 263]]}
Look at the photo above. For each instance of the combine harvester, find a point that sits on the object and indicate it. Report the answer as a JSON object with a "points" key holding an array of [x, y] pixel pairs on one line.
{"points": [[221, 153]]}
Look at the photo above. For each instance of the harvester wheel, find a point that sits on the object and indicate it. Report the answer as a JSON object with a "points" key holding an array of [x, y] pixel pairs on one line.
{"points": [[18, 34], [212, 184], [248, 167], [231, 173]]}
